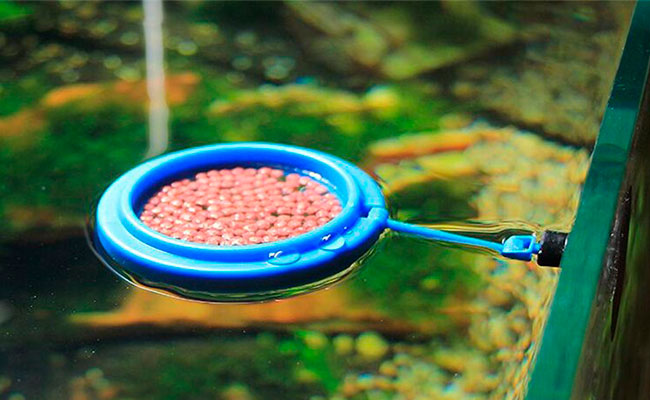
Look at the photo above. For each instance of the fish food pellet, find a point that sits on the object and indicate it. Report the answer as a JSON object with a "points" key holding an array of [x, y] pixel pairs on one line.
{"points": [[240, 206]]}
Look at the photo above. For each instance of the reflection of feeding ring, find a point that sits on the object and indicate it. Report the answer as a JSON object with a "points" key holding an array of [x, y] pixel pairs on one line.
{"points": [[238, 273]]}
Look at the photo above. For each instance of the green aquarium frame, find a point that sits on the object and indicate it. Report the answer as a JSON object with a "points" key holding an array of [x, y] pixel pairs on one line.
{"points": [[596, 336]]}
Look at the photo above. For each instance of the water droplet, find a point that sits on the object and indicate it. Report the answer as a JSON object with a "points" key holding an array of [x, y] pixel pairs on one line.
{"points": [[281, 258], [333, 244]]}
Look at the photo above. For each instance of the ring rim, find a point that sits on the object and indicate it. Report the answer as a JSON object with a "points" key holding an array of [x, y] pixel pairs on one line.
{"points": [[193, 266]]}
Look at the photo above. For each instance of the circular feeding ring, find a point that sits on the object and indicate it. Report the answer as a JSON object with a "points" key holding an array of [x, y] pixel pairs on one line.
{"points": [[244, 272]]}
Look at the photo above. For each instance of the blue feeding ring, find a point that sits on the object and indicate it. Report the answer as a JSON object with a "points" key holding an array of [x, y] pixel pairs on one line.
{"points": [[264, 271]]}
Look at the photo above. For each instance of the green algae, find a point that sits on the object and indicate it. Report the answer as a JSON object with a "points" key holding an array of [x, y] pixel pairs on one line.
{"points": [[397, 40], [16, 94], [416, 290], [434, 201], [345, 134], [67, 173], [569, 68], [316, 363], [201, 369], [433, 272], [10, 11]]}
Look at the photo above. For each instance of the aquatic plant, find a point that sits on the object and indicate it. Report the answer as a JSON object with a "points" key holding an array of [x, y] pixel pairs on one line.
{"points": [[336, 121], [200, 369], [396, 40], [422, 288], [18, 93], [316, 360], [11, 11], [79, 136], [569, 69], [74, 142]]}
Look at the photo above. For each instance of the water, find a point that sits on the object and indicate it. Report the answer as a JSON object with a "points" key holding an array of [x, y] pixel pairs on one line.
{"points": [[405, 98], [487, 230]]}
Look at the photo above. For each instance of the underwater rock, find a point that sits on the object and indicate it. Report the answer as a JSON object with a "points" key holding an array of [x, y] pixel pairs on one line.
{"points": [[343, 344], [517, 172], [304, 375], [177, 89], [92, 386], [61, 131], [215, 367], [515, 168], [61, 45], [42, 221], [455, 121], [351, 39], [371, 346], [236, 392], [478, 381], [560, 84], [307, 99], [499, 332], [497, 296], [386, 40], [29, 121], [21, 124], [425, 143], [459, 359], [446, 166], [331, 310], [388, 368], [112, 40], [315, 340]]}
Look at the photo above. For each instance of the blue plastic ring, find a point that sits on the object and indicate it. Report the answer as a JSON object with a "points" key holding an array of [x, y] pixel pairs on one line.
{"points": [[236, 273]]}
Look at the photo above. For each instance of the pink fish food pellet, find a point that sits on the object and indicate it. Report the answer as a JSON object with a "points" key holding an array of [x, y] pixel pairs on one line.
{"points": [[240, 206]]}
